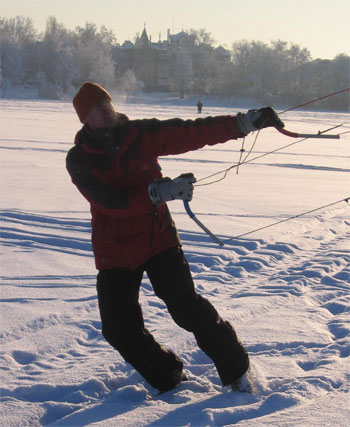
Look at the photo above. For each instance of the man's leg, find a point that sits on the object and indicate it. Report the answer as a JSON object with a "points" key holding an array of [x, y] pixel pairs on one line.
{"points": [[123, 327], [171, 279]]}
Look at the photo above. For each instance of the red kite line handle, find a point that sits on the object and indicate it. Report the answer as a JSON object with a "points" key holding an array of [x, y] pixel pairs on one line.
{"points": [[306, 135]]}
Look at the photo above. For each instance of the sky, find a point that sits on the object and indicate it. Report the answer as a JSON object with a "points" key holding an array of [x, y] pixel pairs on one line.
{"points": [[322, 26]]}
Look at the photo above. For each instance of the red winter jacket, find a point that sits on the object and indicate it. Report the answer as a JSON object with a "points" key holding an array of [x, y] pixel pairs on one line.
{"points": [[113, 168]]}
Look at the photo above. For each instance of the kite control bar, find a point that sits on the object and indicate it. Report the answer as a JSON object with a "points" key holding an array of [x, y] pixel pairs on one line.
{"points": [[201, 225], [306, 135]]}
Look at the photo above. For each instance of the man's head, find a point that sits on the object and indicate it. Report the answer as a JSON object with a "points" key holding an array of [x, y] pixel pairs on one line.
{"points": [[93, 105]]}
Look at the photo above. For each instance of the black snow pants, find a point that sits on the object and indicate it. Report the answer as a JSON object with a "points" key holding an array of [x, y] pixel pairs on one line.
{"points": [[123, 324]]}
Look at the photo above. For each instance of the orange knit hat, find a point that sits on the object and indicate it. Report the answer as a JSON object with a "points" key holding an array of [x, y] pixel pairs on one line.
{"points": [[87, 97]]}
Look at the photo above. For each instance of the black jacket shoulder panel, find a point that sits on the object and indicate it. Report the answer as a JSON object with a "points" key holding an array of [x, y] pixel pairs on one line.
{"points": [[81, 172], [78, 166]]}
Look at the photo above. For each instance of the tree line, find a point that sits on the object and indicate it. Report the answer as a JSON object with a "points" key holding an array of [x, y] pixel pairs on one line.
{"points": [[59, 60]]}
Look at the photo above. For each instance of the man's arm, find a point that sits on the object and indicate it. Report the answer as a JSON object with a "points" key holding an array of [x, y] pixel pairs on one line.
{"points": [[105, 197], [176, 136]]}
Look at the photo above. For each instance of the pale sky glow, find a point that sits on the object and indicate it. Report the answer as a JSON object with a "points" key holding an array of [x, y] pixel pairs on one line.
{"points": [[322, 26]]}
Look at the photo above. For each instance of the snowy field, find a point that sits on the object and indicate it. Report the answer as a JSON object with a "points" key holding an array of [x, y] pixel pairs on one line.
{"points": [[285, 288]]}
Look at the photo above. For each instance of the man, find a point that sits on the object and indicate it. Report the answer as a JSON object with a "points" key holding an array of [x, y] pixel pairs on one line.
{"points": [[114, 165]]}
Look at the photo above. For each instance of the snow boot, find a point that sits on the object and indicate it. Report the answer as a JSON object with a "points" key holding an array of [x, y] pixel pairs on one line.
{"points": [[244, 384], [178, 378]]}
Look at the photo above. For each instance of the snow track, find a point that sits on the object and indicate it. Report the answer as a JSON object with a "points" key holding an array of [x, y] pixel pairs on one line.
{"points": [[65, 374]]}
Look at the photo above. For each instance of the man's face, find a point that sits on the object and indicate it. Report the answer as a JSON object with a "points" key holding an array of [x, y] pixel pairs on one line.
{"points": [[101, 116]]}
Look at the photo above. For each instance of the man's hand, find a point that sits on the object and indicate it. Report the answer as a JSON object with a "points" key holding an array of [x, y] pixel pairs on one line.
{"points": [[258, 119], [165, 189]]}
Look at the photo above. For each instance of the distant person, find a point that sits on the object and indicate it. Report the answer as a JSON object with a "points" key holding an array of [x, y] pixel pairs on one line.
{"points": [[199, 106], [114, 164]]}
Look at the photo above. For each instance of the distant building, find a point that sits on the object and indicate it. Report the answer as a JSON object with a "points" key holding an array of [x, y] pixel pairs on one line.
{"points": [[152, 61]]}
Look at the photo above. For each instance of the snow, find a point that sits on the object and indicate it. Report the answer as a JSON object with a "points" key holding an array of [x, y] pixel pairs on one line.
{"points": [[284, 288]]}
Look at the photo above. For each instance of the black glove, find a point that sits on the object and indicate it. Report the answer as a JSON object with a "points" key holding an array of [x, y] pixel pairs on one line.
{"points": [[165, 189], [258, 119]]}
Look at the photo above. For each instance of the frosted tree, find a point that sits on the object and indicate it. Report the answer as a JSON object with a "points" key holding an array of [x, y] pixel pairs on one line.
{"points": [[67, 72], [181, 79], [11, 64], [242, 59], [128, 83], [18, 59], [199, 37], [297, 58], [340, 80], [93, 55], [275, 69], [253, 66], [325, 76], [57, 60], [205, 70]]}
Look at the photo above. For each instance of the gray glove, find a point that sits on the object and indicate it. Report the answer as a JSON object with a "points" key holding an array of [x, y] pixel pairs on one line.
{"points": [[258, 119], [165, 189]]}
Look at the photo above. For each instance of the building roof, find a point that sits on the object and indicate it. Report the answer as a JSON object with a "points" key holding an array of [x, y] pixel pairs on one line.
{"points": [[128, 45], [177, 37], [144, 36]]}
